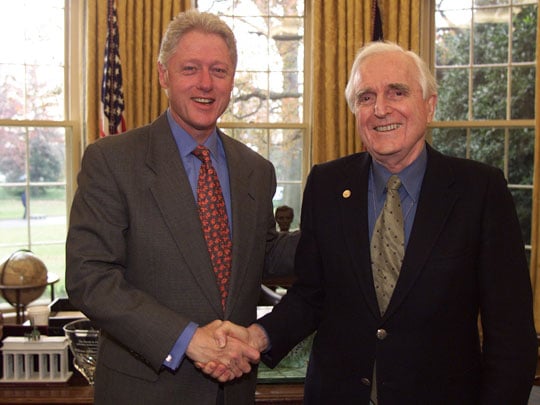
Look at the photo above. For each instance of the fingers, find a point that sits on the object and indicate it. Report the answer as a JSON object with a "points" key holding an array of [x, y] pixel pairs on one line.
{"points": [[222, 372], [239, 343], [225, 329], [220, 350], [216, 370], [247, 352], [254, 335], [241, 355], [258, 337]]}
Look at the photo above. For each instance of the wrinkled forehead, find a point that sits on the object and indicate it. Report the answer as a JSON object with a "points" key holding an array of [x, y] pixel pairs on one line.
{"points": [[387, 69]]}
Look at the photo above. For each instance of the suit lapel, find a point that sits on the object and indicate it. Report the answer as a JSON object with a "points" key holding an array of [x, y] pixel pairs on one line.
{"points": [[437, 198], [351, 191], [174, 196], [243, 217]]}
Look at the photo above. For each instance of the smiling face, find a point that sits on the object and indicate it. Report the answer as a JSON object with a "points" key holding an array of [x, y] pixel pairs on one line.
{"points": [[391, 114], [199, 79]]}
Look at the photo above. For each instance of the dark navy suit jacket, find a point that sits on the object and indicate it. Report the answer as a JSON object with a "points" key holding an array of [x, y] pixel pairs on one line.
{"points": [[465, 258]]}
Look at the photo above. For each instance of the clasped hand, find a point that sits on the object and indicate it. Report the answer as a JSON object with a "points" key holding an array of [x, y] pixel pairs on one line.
{"points": [[224, 350]]}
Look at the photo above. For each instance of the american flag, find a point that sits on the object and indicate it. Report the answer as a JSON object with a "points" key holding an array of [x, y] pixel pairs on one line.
{"points": [[112, 95], [377, 22]]}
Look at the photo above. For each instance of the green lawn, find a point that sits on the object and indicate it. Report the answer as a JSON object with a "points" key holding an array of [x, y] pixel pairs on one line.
{"points": [[50, 204], [45, 232]]}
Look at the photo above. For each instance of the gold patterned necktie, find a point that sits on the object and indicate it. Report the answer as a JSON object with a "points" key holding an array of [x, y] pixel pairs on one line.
{"points": [[388, 244], [215, 226]]}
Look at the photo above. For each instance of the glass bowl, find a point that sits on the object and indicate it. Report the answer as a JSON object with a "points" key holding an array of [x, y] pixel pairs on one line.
{"points": [[83, 340]]}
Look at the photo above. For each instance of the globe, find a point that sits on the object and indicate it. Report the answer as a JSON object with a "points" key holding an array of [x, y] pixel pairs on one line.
{"points": [[23, 268]]}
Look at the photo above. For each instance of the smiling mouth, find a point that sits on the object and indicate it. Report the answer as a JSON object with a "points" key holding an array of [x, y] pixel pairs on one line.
{"points": [[203, 100], [386, 128]]}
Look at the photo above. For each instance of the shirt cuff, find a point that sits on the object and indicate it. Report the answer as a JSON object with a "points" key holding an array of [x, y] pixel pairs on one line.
{"points": [[178, 351]]}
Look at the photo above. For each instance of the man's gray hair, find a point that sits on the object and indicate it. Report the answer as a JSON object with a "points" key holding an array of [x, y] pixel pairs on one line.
{"points": [[193, 20], [426, 79]]}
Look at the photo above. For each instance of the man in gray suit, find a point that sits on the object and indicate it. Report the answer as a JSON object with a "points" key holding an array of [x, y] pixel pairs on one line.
{"points": [[138, 264]]}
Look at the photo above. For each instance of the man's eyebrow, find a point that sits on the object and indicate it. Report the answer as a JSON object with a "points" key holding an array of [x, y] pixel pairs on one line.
{"points": [[393, 86], [400, 87], [364, 91]]}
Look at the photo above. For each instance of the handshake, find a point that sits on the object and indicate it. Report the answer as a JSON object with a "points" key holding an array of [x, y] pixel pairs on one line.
{"points": [[225, 351]]}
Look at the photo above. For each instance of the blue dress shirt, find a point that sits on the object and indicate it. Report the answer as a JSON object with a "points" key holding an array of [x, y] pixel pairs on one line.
{"points": [[411, 182]]}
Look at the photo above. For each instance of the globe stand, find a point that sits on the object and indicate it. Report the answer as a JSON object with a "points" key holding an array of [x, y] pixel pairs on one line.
{"points": [[20, 308]]}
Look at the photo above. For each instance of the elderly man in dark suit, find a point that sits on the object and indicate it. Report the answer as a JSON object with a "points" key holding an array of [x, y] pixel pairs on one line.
{"points": [[138, 262], [462, 263]]}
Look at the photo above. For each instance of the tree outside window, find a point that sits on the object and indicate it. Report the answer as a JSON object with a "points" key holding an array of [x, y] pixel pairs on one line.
{"points": [[34, 131], [485, 66], [266, 111]]}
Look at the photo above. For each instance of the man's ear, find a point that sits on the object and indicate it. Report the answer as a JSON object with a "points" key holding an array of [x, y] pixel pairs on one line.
{"points": [[432, 103], [163, 76]]}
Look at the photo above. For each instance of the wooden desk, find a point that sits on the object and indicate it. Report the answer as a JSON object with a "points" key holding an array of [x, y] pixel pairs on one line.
{"points": [[290, 394], [77, 391]]}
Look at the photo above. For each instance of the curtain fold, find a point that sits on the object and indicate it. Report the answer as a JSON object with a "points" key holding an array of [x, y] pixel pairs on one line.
{"points": [[535, 226], [401, 22], [141, 24], [340, 28]]}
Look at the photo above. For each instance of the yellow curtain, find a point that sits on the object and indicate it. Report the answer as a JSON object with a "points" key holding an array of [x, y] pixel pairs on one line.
{"points": [[401, 22], [140, 24], [340, 27], [535, 227]]}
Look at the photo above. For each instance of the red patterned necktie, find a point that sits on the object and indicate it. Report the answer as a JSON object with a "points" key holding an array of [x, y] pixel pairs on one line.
{"points": [[213, 215]]}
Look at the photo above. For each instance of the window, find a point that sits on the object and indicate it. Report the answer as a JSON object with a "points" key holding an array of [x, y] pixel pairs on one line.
{"points": [[266, 111], [485, 66], [39, 126]]}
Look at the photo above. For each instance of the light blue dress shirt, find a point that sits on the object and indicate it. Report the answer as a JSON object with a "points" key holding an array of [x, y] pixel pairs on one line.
{"points": [[411, 182], [186, 144]]}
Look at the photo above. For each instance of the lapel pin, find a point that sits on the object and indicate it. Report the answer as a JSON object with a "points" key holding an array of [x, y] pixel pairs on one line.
{"points": [[346, 193]]}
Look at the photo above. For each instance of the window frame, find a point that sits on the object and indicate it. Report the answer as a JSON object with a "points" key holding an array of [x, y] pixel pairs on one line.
{"points": [[307, 113], [73, 125], [427, 51]]}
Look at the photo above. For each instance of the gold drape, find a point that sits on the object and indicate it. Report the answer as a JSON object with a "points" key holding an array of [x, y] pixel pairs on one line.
{"points": [[535, 227], [401, 22], [140, 24], [340, 28]]}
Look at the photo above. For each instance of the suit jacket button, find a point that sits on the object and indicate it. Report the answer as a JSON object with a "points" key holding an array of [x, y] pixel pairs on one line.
{"points": [[381, 334], [366, 381]]}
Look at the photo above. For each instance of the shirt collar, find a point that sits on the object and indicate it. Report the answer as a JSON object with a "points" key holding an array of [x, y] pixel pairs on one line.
{"points": [[411, 177], [185, 142]]}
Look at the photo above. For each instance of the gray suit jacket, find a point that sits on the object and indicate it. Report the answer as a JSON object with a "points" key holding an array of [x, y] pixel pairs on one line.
{"points": [[138, 266]]}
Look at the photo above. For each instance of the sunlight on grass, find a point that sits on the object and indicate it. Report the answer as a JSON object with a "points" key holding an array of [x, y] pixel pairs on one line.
{"points": [[45, 232]]}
